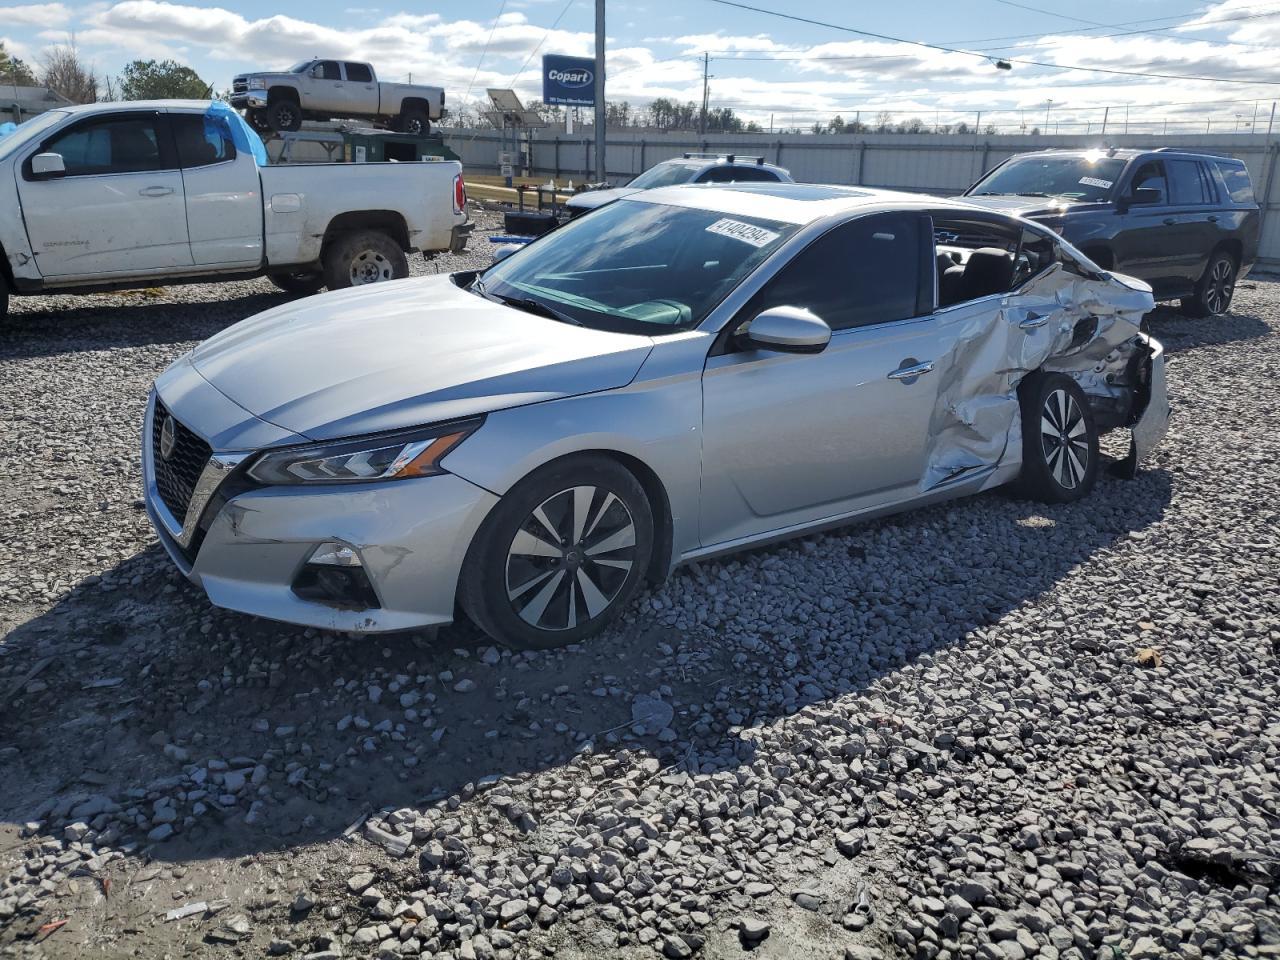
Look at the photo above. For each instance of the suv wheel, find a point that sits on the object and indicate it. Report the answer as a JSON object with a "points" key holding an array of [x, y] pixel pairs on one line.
{"points": [[363, 257], [1059, 439], [1214, 289], [562, 553]]}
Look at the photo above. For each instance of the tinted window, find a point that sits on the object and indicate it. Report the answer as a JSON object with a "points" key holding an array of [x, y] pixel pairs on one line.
{"points": [[864, 272], [1084, 177], [359, 73], [1186, 185], [737, 175], [1236, 177], [329, 70], [201, 140], [1150, 176], [122, 145]]}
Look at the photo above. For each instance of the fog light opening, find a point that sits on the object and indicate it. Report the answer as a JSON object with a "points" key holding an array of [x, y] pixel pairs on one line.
{"points": [[335, 576]]}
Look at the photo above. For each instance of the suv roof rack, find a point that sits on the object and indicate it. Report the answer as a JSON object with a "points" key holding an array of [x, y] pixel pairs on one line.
{"points": [[728, 157]]}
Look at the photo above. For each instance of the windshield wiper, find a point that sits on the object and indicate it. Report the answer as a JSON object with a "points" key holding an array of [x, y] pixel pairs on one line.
{"points": [[529, 305]]}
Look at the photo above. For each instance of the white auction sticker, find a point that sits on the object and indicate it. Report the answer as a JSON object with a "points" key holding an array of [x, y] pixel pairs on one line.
{"points": [[1095, 182], [746, 232]]}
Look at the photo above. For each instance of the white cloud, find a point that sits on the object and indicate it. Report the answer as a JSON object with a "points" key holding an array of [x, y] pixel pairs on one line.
{"points": [[35, 15]]}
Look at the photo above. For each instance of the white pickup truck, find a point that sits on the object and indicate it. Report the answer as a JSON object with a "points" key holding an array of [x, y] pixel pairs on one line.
{"points": [[111, 196], [323, 89]]}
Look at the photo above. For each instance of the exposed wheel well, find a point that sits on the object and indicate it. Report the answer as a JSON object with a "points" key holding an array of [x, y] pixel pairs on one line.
{"points": [[283, 93], [1233, 247], [388, 221], [6, 271], [1100, 255], [415, 103]]}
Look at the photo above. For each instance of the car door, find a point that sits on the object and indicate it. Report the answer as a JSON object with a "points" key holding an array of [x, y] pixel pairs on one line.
{"points": [[223, 192], [119, 208], [1152, 241], [325, 92], [1191, 197], [361, 89], [791, 439]]}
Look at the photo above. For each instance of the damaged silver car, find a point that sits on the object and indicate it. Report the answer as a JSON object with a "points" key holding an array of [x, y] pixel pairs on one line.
{"points": [[684, 373]]}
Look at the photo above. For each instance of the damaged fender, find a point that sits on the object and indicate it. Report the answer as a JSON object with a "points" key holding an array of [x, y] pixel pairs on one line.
{"points": [[1087, 328]]}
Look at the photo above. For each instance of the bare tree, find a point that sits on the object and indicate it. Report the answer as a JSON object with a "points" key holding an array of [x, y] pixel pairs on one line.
{"points": [[66, 73]]}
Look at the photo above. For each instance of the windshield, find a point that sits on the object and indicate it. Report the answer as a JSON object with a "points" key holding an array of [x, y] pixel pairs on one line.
{"points": [[29, 131], [634, 267], [301, 67], [1083, 177], [664, 175]]}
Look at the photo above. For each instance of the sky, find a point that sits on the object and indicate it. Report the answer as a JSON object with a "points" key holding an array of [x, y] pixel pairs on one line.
{"points": [[766, 68]]}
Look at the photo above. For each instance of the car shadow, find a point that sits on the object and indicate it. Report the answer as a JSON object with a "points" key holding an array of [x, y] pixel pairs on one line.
{"points": [[138, 319], [1179, 332], [133, 687]]}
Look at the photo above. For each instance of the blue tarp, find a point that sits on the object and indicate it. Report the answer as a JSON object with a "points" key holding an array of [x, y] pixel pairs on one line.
{"points": [[7, 128], [220, 118]]}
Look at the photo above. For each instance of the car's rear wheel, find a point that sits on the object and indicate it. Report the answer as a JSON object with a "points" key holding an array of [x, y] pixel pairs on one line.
{"points": [[303, 283], [1215, 288], [1059, 439], [563, 552], [415, 122], [284, 116], [363, 257]]}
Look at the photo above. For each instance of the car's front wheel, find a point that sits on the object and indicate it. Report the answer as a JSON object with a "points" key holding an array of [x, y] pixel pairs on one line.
{"points": [[1059, 439], [1215, 289], [284, 116], [363, 257], [563, 552]]}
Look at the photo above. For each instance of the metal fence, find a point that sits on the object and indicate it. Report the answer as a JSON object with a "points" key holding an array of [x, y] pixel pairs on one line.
{"points": [[927, 163]]}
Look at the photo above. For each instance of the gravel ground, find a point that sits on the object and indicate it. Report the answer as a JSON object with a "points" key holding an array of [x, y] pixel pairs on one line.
{"points": [[991, 729]]}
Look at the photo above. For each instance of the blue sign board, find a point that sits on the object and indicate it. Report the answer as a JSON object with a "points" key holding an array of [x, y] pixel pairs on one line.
{"points": [[568, 81]]}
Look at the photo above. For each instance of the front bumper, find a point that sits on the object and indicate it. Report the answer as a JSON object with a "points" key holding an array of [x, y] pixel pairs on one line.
{"points": [[249, 100], [248, 550]]}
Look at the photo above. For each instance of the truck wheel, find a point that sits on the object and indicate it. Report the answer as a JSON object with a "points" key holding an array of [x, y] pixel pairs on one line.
{"points": [[367, 256], [303, 283], [415, 122], [1059, 439], [285, 116], [258, 120], [1214, 289]]}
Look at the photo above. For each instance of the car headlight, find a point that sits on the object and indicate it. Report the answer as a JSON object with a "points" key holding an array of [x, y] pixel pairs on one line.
{"points": [[397, 456], [257, 83]]}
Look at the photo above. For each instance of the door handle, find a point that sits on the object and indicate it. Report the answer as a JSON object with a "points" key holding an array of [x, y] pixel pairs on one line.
{"points": [[911, 369], [1032, 321], [155, 191], [1169, 221]]}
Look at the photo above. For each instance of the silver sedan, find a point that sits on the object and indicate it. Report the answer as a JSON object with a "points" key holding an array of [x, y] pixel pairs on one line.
{"points": [[680, 374]]}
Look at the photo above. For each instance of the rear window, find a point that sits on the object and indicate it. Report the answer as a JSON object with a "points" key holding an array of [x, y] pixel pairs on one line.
{"points": [[359, 73], [1236, 177], [1186, 183]]}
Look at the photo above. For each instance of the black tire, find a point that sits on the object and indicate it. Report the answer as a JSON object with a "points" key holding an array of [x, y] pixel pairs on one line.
{"points": [[415, 122], [365, 256], [303, 283], [1214, 289], [284, 116], [524, 599], [258, 120], [4, 299], [1059, 439]]}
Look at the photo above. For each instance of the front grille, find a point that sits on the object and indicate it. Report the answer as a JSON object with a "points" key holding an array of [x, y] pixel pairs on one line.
{"points": [[176, 477], [240, 85]]}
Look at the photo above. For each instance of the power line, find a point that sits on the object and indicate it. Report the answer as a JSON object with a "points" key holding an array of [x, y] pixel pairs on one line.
{"points": [[1051, 13], [983, 56], [501, 8], [546, 33]]}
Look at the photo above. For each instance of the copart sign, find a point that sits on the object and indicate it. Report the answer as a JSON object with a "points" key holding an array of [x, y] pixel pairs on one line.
{"points": [[569, 81]]}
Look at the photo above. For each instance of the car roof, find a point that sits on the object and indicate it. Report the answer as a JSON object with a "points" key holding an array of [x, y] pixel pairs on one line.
{"points": [[1121, 153], [795, 203], [725, 160], [197, 105]]}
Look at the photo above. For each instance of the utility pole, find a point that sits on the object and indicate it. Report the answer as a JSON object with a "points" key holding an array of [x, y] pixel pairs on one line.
{"points": [[601, 173], [1047, 107], [1273, 118], [706, 91], [1106, 111]]}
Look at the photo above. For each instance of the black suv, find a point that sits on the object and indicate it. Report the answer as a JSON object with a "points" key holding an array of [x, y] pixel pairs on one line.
{"points": [[1185, 223]]}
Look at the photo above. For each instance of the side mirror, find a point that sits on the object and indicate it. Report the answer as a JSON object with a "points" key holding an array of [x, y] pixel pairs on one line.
{"points": [[1146, 195], [785, 330], [48, 166]]}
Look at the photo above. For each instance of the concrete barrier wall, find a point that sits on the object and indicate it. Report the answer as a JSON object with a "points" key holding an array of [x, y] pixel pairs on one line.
{"points": [[943, 165]]}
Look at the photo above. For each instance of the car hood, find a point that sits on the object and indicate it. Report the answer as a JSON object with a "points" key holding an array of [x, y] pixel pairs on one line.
{"points": [[1034, 208], [405, 354], [598, 198]]}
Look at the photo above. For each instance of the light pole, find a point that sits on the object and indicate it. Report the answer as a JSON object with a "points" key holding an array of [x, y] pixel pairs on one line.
{"points": [[600, 110], [1047, 107]]}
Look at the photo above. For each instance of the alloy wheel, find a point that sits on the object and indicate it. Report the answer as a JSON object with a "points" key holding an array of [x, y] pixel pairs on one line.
{"points": [[570, 558], [1221, 285], [370, 266], [1064, 439]]}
